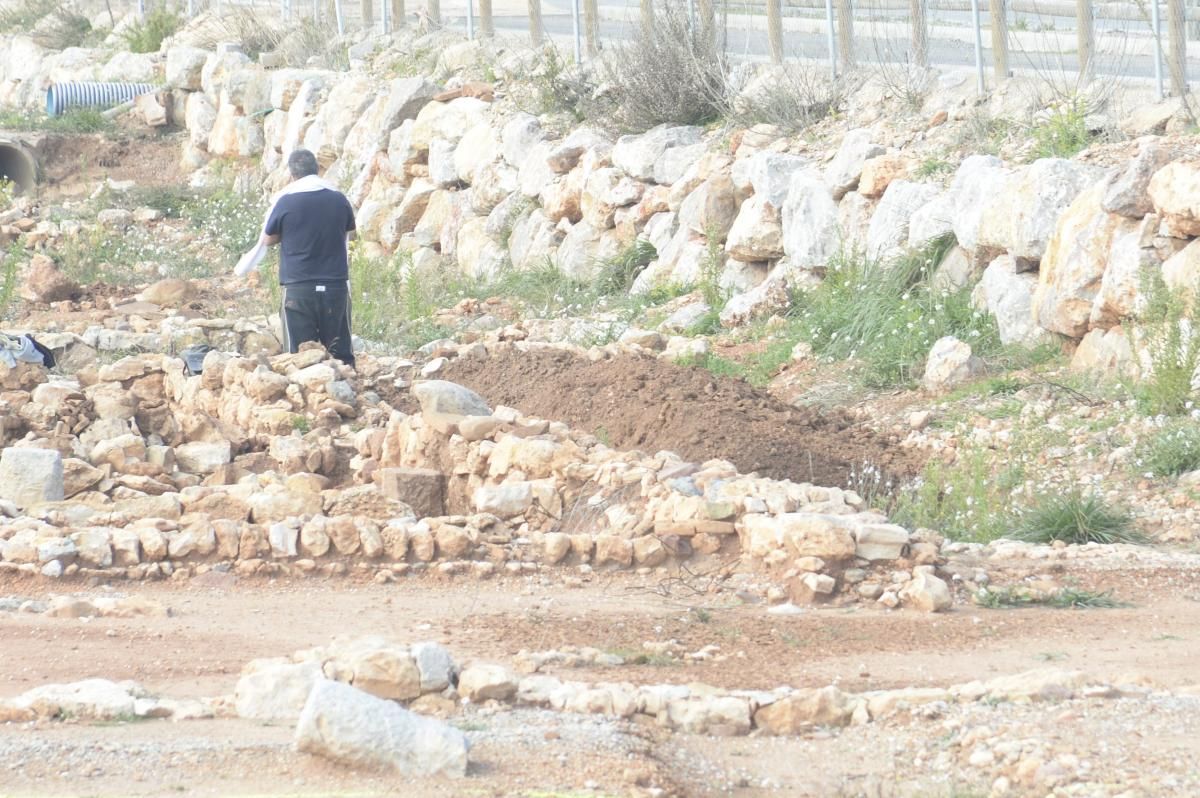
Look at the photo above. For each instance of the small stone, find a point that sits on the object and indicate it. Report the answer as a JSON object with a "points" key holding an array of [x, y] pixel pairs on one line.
{"points": [[484, 682]]}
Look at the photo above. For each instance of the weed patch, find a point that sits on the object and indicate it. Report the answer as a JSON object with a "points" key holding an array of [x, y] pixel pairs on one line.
{"points": [[1063, 133], [1067, 598], [23, 15], [73, 121], [1173, 342], [886, 316], [1075, 518], [1172, 450], [147, 35]]}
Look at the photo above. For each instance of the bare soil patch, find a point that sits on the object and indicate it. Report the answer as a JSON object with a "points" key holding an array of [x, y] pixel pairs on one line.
{"points": [[648, 404], [73, 164]]}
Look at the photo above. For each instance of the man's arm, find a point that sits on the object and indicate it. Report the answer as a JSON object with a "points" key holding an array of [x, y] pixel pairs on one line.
{"points": [[269, 241]]}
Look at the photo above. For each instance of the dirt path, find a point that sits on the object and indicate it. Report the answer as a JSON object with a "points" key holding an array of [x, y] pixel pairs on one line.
{"points": [[218, 624]]}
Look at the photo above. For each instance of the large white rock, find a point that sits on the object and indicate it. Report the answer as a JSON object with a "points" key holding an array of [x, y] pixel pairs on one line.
{"points": [[757, 232], [90, 699], [275, 689], [203, 457], [486, 682], [1174, 191], [30, 476], [1127, 192], [1071, 271], [1024, 214], [183, 67], [844, 170], [507, 500], [1131, 254], [638, 155], [360, 730], [829, 537], [887, 235], [518, 136], [810, 221], [979, 179], [767, 175], [932, 220], [1008, 295], [950, 363], [440, 396], [435, 665]]}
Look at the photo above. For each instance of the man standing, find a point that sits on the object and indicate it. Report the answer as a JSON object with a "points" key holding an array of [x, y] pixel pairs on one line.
{"points": [[312, 222]]}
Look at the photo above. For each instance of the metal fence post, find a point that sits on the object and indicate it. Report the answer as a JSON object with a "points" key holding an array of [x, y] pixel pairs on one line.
{"points": [[829, 30], [470, 19], [920, 34], [1177, 52], [341, 20], [385, 16], [576, 32], [487, 27], [141, 6], [535, 22], [998, 19], [368, 14], [845, 30], [979, 85], [1156, 24], [591, 27], [433, 10], [191, 8], [1085, 35], [399, 19], [775, 29], [708, 21]]}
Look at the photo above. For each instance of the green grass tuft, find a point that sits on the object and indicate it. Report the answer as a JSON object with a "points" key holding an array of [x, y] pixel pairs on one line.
{"points": [[1075, 518], [1063, 134]]}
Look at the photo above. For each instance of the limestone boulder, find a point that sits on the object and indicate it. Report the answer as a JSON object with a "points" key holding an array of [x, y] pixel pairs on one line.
{"points": [[31, 476], [354, 728], [1181, 271], [43, 282], [1073, 267], [757, 232], [767, 175], [880, 172], [183, 67], [949, 364], [1130, 256], [275, 689], [638, 155], [1174, 191], [843, 173], [1007, 295], [810, 221], [828, 537], [1127, 192], [887, 235], [979, 180], [804, 710]]}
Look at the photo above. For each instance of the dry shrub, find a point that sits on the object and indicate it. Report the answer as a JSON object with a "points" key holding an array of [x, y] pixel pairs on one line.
{"points": [[300, 40], [668, 73], [790, 97], [66, 27]]}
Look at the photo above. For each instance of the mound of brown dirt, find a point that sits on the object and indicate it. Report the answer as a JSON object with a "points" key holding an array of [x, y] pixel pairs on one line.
{"points": [[648, 404]]}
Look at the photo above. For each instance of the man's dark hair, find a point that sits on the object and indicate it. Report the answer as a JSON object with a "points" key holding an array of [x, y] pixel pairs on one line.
{"points": [[302, 163]]}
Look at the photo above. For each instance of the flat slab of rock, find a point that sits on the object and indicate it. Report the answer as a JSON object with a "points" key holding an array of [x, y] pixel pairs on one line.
{"points": [[31, 476], [349, 726]]}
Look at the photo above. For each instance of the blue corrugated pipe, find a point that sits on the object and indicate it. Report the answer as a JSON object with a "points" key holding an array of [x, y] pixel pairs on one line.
{"points": [[62, 96]]}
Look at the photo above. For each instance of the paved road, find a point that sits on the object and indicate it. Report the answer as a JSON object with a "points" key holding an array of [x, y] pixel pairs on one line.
{"points": [[942, 52]]}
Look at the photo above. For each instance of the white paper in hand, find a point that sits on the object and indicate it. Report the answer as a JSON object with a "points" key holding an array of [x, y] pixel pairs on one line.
{"points": [[249, 262]]}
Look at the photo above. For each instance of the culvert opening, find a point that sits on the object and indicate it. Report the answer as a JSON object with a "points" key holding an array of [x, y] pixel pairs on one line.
{"points": [[17, 166]]}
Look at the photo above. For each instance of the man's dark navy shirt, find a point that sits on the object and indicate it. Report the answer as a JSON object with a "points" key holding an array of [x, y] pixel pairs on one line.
{"points": [[312, 226]]}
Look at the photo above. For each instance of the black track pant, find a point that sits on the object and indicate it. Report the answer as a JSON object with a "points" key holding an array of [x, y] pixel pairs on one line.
{"points": [[318, 313]]}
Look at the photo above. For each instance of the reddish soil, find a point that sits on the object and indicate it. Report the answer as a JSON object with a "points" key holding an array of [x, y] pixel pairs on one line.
{"points": [[648, 404]]}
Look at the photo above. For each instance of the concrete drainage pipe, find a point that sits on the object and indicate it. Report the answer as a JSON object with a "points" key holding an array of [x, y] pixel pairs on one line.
{"points": [[18, 165]]}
